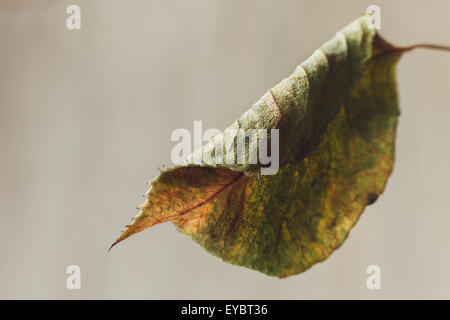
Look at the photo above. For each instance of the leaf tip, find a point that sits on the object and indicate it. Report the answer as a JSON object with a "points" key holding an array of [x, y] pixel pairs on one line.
{"points": [[111, 246], [125, 234], [114, 243]]}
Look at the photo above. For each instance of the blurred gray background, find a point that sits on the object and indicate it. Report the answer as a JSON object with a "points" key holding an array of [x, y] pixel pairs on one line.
{"points": [[86, 118]]}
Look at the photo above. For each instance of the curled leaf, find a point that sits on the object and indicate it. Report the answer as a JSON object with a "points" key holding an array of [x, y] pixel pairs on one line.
{"points": [[337, 116]]}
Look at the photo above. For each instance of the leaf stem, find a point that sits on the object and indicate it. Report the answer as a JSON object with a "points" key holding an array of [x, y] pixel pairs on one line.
{"points": [[424, 46], [412, 47]]}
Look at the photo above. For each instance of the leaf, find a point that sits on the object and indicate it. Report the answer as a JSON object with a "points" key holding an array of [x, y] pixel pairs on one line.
{"points": [[337, 116]]}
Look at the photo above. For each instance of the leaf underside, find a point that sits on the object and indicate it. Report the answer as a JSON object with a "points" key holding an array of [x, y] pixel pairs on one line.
{"points": [[337, 115]]}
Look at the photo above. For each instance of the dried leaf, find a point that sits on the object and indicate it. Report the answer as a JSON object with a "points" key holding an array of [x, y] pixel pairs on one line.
{"points": [[337, 116]]}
